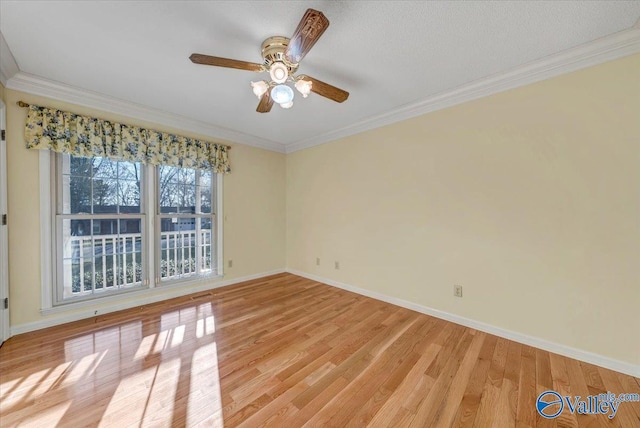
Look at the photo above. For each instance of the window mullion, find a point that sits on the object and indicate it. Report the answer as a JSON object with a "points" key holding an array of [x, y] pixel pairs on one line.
{"points": [[198, 221], [93, 259], [150, 208], [217, 225]]}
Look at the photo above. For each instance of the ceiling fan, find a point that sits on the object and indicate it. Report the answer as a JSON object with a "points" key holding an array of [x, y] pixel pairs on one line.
{"points": [[281, 58]]}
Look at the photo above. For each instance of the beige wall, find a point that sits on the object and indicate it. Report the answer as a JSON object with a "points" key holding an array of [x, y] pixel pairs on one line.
{"points": [[254, 207], [530, 199]]}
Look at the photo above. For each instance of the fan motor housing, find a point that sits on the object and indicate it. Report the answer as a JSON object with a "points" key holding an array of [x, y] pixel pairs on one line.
{"points": [[273, 50]]}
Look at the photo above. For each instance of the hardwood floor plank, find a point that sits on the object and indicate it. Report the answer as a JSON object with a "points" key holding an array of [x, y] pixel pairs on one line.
{"points": [[562, 386], [386, 358], [466, 412], [459, 383], [491, 392], [578, 386], [434, 402], [285, 351], [386, 414], [628, 413], [527, 388]]}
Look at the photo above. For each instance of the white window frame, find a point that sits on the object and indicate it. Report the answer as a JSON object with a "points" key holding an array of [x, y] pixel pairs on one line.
{"points": [[48, 266], [213, 216], [58, 218]]}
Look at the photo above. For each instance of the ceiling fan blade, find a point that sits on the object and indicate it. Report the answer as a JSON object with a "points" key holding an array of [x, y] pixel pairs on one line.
{"points": [[225, 62], [326, 90], [309, 30], [265, 104]]}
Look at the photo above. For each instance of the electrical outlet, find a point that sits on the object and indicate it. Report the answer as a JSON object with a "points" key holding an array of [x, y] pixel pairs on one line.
{"points": [[457, 290], [230, 263], [338, 265], [317, 261]]}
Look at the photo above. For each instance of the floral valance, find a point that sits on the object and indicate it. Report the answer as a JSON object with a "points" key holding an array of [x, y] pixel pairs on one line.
{"points": [[78, 135]]}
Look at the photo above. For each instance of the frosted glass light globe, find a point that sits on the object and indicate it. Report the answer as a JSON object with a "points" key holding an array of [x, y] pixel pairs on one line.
{"points": [[304, 87], [279, 72], [259, 88], [282, 94]]}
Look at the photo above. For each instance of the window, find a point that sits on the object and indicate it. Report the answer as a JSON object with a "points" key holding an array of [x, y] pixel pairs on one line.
{"points": [[186, 224], [104, 238]]}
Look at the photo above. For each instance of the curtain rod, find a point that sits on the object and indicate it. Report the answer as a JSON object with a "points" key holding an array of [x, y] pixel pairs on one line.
{"points": [[23, 104]]}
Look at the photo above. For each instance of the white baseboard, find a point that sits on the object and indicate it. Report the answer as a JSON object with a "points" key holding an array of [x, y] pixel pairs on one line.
{"points": [[132, 303], [567, 351]]}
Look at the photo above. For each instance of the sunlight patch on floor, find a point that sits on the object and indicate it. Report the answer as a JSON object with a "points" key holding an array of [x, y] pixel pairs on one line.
{"points": [[137, 394], [177, 336], [146, 344], [205, 378], [52, 415], [205, 327], [15, 389], [29, 387], [79, 369], [161, 342]]}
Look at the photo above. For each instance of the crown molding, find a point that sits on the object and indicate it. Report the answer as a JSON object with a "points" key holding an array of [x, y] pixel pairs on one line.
{"points": [[609, 48], [37, 85], [8, 65]]}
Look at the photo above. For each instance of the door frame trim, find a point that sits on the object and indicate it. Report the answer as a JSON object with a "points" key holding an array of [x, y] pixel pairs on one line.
{"points": [[5, 332]]}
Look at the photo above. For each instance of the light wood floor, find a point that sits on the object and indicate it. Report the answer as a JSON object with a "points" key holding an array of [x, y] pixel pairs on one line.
{"points": [[283, 352]]}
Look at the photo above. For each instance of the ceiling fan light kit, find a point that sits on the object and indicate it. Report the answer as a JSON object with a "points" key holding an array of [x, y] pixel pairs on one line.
{"points": [[281, 58]]}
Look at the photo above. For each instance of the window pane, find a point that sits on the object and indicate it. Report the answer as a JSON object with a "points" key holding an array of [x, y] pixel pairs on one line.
{"points": [[205, 200], [80, 166], [168, 174], [205, 178], [100, 186], [177, 247], [177, 190], [204, 189], [100, 254], [131, 249], [186, 176], [129, 171], [206, 235], [104, 195], [167, 189], [77, 254], [76, 194], [184, 190], [187, 202], [129, 196], [185, 247], [104, 168]]}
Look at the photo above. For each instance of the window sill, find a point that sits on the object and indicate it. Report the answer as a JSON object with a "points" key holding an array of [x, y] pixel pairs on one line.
{"points": [[138, 296]]}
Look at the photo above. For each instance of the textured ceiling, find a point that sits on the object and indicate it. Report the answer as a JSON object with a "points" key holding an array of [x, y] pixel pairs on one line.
{"points": [[386, 54]]}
